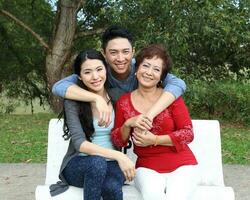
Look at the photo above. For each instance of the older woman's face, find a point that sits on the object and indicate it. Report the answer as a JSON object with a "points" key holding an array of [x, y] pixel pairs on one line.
{"points": [[149, 72]]}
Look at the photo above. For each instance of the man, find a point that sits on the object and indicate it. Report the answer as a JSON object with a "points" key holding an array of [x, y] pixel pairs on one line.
{"points": [[117, 48]]}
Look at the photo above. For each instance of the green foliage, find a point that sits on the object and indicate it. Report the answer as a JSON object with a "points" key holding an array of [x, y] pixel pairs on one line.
{"points": [[22, 57], [18, 106], [208, 40], [221, 100], [7, 107], [208, 34], [92, 16]]}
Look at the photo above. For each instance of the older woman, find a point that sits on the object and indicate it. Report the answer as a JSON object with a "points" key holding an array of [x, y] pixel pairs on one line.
{"points": [[165, 167]]}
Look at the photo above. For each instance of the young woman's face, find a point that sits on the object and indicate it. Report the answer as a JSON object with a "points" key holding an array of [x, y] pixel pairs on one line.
{"points": [[93, 74], [149, 72]]}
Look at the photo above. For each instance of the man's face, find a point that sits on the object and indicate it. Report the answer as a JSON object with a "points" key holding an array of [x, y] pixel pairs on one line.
{"points": [[119, 54]]}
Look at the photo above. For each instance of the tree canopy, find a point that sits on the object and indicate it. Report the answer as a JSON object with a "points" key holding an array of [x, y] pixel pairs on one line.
{"points": [[39, 38]]}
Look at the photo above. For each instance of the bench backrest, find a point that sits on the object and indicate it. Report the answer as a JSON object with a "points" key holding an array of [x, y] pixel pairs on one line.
{"points": [[206, 147]]}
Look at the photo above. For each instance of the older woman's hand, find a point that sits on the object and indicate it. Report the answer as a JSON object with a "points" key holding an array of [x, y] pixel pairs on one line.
{"points": [[143, 138], [140, 121]]}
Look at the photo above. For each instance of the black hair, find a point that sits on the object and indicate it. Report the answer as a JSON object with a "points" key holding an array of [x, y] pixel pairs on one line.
{"points": [[85, 112], [113, 32]]}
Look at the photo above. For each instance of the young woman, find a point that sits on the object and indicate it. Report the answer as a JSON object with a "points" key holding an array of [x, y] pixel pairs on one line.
{"points": [[92, 162], [166, 167]]}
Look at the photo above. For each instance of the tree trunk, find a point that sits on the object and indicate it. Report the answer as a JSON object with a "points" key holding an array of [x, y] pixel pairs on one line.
{"points": [[61, 45]]}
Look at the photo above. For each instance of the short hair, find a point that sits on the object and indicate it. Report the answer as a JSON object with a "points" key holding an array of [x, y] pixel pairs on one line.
{"points": [[113, 32], [155, 50]]}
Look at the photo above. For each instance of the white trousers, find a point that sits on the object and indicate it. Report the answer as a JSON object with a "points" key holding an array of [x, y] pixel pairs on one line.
{"points": [[177, 185]]}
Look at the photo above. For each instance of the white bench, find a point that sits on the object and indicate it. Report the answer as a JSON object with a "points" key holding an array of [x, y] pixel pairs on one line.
{"points": [[206, 147]]}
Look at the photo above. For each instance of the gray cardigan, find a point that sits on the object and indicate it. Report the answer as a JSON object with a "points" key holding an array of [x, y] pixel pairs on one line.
{"points": [[77, 137]]}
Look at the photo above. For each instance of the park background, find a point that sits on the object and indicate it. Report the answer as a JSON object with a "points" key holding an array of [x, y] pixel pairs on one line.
{"points": [[209, 42]]}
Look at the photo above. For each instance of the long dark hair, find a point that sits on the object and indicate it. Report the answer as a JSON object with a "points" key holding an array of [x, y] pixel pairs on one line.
{"points": [[85, 112]]}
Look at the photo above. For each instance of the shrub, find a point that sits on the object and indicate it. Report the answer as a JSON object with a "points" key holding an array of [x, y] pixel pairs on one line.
{"points": [[224, 100], [7, 106]]}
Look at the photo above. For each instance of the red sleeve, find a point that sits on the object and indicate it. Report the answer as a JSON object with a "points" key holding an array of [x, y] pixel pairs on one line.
{"points": [[119, 121], [183, 133]]}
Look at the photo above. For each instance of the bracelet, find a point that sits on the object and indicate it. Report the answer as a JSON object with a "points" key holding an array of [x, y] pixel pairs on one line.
{"points": [[156, 140]]}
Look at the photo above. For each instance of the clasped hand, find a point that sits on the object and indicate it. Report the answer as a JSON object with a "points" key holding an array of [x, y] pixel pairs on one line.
{"points": [[143, 138], [141, 121], [141, 135]]}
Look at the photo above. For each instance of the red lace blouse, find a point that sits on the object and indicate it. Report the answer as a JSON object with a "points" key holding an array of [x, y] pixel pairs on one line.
{"points": [[173, 121]]}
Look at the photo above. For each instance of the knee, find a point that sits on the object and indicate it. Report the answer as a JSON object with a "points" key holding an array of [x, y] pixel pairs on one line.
{"points": [[97, 165]]}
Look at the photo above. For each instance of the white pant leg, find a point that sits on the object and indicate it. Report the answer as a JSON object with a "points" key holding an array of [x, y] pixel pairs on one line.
{"points": [[182, 182], [150, 183]]}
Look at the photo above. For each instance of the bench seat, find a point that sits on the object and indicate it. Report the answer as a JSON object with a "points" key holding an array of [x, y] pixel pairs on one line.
{"points": [[206, 146]]}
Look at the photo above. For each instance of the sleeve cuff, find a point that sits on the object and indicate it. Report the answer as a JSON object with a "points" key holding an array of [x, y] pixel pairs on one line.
{"points": [[117, 139], [59, 88], [175, 90], [176, 144]]}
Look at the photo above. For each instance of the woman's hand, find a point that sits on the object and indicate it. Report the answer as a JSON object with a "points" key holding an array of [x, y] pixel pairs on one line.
{"points": [[127, 166], [143, 138], [139, 121], [104, 112]]}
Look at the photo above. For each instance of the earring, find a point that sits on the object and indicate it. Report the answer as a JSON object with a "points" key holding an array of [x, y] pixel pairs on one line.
{"points": [[159, 84]]}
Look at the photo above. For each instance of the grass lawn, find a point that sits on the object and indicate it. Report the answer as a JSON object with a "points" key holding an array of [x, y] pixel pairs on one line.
{"points": [[24, 139], [235, 143]]}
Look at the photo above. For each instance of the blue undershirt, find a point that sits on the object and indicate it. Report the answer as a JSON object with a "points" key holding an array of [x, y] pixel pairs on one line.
{"points": [[101, 136]]}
